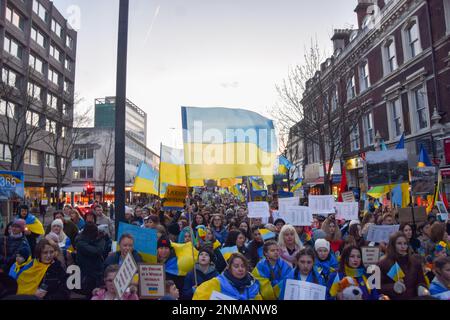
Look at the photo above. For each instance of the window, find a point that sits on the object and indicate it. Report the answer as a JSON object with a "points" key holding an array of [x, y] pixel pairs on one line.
{"points": [[32, 118], [351, 88], [55, 53], [50, 126], [68, 64], [5, 153], [67, 86], [40, 10], [396, 118], [10, 78], [354, 139], [36, 64], [411, 39], [53, 76], [447, 14], [16, 19], [69, 42], [38, 37], [56, 28], [34, 91], [52, 101], [12, 47], [7, 109], [419, 110], [65, 109], [63, 132], [368, 130], [334, 100], [364, 76], [31, 157], [50, 160], [389, 56], [76, 173]]}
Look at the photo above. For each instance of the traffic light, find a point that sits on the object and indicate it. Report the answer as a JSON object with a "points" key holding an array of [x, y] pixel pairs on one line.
{"points": [[90, 188]]}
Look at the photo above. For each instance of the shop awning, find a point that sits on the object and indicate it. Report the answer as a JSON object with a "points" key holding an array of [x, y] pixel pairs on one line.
{"points": [[316, 182], [74, 189]]}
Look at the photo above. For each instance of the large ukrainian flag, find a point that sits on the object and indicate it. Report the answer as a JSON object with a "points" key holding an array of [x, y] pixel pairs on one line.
{"points": [[172, 169], [147, 180], [228, 143]]}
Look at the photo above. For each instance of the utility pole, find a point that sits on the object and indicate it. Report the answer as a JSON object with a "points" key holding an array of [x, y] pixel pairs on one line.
{"points": [[121, 93]]}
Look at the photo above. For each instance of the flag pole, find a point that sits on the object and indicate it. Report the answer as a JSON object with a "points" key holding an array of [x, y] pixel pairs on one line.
{"points": [[159, 177], [412, 204]]}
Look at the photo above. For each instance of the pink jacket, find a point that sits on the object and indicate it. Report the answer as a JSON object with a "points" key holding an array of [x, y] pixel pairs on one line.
{"points": [[289, 258], [101, 295]]}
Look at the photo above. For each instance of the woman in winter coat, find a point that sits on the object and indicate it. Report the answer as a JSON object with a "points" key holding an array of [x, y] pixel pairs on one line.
{"points": [[402, 275], [255, 247], [217, 226], [235, 282], [414, 243], [331, 228], [325, 262], [33, 227], [108, 291], [237, 238], [126, 245], [89, 257], [13, 244], [290, 244], [204, 270]]}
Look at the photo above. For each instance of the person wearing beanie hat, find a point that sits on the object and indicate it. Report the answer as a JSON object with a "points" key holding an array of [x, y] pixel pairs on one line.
{"points": [[14, 244], [205, 270], [319, 234], [326, 262]]}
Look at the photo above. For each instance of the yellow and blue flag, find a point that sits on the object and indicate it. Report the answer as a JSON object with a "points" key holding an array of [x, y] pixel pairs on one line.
{"points": [[147, 180], [396, 273], [267, 234], [34, 224], [424, 160], [334, 289], [228, 251], [228, 143], [183, 261], [298, 184], [145, 240], [284, 165], [257, 183]]}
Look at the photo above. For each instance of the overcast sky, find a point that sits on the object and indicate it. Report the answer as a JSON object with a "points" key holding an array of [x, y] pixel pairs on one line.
{"points": [[204, 53]]}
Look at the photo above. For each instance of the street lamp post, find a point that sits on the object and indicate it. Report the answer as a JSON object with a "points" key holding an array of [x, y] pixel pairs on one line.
{"points": [[121, 92]]}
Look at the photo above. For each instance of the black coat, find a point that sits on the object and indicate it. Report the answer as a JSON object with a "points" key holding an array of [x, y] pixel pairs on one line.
{"points": [[89, 258], [9, 247], [55, 282], [114, 259]]}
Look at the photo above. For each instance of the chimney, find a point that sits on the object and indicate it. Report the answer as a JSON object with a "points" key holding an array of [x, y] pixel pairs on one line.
{"points": [[341, 38], [362, 9]]}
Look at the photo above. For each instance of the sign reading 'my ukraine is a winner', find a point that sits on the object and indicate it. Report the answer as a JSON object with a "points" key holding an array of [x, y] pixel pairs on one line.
{"points": [[12, 186]]}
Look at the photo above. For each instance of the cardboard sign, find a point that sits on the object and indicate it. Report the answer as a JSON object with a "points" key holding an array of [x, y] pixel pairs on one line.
{"points": [[152, 278], [370, 255], [323, 205], [259, 209], [302, 290], [284, 203], [145, 240], [423, 180], [405, 215], [348, 196], [379, 234], [125, 275], [298, 216], [175, 197], [347, 210]]}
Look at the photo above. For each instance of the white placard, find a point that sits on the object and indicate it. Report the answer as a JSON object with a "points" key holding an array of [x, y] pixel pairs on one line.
{"points": [[152, 281], [347, 210], [441, 207], [323, 205], [370, 255], [302, 290], [259, 209], [220, 296], [298, 216], [348, 196], [381, 233], [284, 203], [125, 275]]}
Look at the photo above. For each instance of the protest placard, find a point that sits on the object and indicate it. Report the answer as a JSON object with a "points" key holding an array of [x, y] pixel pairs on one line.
{"points": [[348, 196], [145, 240], [370, 255], [387, 167], [284, 203], [347, 210], [382, 233], [423, 180], [151, 281], [298, 216], [125, 275], [259, 209], [175, 197], [441, 207], [322, 205], [405, 215], [219, 296], [302, 290]]}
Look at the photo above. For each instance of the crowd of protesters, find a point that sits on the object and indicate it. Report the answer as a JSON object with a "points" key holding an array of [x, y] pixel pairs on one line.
{"points": [[266, 253]]}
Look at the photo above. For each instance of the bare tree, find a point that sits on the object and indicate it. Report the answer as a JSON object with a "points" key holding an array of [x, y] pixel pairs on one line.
{"points": [[107, 163], [313, 108]]}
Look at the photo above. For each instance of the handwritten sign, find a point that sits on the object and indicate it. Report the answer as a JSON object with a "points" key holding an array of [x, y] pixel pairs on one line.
{"points": [[151, 281], [381, 233], [220, 296], [284, 203], [302, 290], [323, 205], [370, 255], [145, 240], [348, 196], [258, 209], [175, 197], [347, 210], [298, 216], [125, 275]]}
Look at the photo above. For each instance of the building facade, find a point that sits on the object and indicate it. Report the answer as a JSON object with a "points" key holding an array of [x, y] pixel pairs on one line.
{"points": [[396, 66], [38, 77]]}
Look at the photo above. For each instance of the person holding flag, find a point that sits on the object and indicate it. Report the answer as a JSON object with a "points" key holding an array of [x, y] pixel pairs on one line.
{"points": [[402, 275], [33, 228]]}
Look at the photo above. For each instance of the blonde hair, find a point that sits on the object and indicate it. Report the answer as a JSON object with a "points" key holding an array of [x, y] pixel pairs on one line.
{"points": [[326, 228], [287, 228]]}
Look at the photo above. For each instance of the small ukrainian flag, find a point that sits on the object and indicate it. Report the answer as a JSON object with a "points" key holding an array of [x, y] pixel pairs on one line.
{"points": [[396, 273]]}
